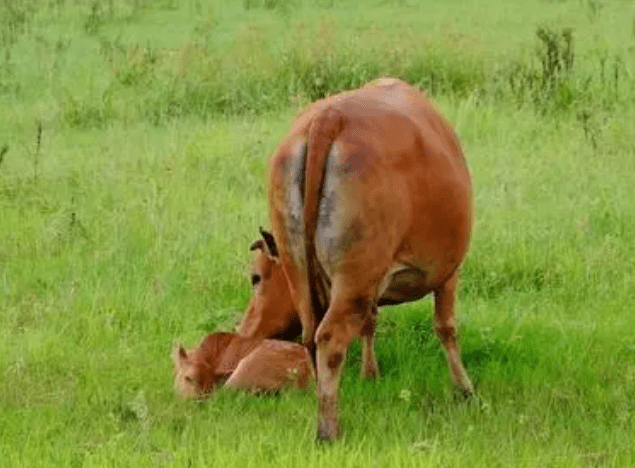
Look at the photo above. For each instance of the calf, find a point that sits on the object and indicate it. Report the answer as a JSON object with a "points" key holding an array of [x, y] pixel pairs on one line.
{"points": [[242, 363]]}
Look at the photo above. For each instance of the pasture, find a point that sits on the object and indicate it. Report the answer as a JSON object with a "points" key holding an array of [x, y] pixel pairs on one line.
{"points": [[134, 140]]}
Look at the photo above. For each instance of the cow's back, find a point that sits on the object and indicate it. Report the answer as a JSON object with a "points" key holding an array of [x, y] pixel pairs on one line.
{"points": [[395, 171]]}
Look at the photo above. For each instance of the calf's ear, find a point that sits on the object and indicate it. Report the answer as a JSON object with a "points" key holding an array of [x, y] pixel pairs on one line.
{"points": [[179, 355], [270, 244]]}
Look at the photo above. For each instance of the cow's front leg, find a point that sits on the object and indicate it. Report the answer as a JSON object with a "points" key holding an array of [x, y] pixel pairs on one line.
{"points": [[301, 297], [369, 369], [445, 326], [342, 322]]}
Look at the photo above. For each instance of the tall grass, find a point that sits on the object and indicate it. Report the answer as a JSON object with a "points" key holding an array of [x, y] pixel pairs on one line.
{"points": [[274, 55], [134, 139]]}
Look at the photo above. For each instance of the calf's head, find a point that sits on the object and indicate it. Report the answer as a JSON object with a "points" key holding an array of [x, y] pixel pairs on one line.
{"points": [[270, 313], [195, 372]]}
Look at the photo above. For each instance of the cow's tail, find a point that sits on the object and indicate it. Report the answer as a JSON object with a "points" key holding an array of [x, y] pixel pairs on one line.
{"points": [[323, 131]]}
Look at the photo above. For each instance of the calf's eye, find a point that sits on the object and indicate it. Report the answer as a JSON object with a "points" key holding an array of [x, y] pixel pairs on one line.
{"points": [[255, 279]]}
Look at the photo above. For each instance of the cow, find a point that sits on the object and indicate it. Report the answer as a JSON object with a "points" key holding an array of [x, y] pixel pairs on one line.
{"points": [[270, 312], [370, 203], [237, 362]]}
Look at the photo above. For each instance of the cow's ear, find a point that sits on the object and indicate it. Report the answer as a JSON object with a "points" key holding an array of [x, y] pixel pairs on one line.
{"points": [[270, 244], [258, 245]]}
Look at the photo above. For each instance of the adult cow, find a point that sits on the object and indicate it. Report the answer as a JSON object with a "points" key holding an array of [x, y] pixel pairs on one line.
{"points": [[271, 312], [370, 204]]}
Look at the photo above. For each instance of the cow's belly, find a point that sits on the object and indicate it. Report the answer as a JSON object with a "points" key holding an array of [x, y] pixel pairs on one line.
{"points": [[403, 283]]}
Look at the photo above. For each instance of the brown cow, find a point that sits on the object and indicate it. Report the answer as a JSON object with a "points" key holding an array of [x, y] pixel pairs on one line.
{"points": [[242, 363], [370, 204]]}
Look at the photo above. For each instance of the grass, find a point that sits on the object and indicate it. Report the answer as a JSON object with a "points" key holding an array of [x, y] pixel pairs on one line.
{"points": [[126, 226]]}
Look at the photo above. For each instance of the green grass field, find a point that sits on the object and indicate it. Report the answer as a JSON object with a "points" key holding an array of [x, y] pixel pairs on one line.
{"points": [[134, 140]]}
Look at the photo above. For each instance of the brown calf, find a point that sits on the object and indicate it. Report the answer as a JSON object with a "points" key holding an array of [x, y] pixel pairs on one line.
{"points": [[241, 363], [370, 204]]}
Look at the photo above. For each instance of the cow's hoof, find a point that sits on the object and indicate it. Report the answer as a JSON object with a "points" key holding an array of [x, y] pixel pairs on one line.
{"points": [[470, 397], [370, 373], [463, 394], [328, 431]]}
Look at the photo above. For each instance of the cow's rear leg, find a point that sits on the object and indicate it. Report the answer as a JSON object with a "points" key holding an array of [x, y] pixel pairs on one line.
{"points": [[369, 369], [445, 326], [344, 320]]}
